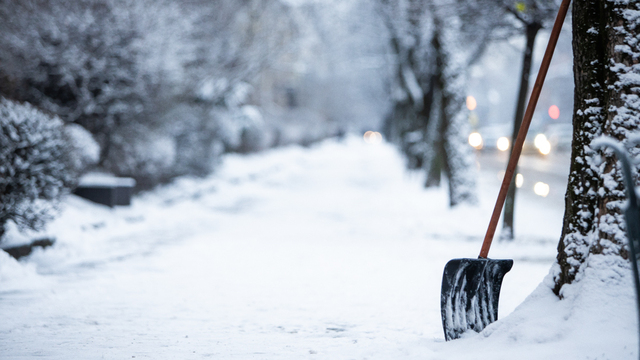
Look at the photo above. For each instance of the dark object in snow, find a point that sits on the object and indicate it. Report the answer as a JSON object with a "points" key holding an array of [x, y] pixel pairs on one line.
{"points": [[471, 287], [470, 294], [631, 213], [105, 189], [24, 250]]}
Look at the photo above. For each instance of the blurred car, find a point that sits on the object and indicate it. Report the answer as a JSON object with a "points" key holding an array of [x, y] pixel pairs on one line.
{"points": [[541, 140], [555, 137], [489, 137]]}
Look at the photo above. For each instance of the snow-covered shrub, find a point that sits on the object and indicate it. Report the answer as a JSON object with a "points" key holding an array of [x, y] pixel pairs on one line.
{"points": [[78, 60], [89, 62], [143, 154], [35, 165], [85, 150], [195, 134], [241, 130], [252, 135]]}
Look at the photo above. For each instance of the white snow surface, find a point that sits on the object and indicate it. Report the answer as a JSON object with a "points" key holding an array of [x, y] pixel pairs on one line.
{"points": [[328, 252], [105, 180]]}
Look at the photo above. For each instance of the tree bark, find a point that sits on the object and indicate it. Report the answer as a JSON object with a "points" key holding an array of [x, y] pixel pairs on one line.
{"points": [[606, 72], [531, 31]]}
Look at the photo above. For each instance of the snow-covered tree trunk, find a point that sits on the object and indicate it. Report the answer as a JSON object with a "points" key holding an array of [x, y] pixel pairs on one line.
{"points": [[429, 120], [458, 160], [607, 89], [406, 124]]}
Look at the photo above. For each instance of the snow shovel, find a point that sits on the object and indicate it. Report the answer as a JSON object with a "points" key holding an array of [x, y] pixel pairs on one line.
{"points": [[471, 287], [631, 213]]}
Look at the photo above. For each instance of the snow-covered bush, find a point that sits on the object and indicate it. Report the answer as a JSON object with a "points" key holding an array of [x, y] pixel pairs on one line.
{"points": [[253, 136], [85, 150], [195, 136], [81, 62], [241, 130], [141, 153], [35, 165], [87, 61]]}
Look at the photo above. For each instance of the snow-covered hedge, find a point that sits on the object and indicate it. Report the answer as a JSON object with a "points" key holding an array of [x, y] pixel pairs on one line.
{"points": [[35, 164], [85, 150]]}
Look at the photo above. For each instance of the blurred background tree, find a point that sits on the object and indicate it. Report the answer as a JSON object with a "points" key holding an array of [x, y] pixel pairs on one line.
{"points": [[434, 43]]}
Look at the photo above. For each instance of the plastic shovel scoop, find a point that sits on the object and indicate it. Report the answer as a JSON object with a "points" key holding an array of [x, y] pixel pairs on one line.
{"points": [[471, 287], [470, 294]]}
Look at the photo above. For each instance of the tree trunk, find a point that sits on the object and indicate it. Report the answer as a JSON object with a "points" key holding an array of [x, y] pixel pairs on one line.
{"points": [[531, 31], [434, 153], [457, 156], [3, 229], [607, 72], [410, 114], [434, 171]]}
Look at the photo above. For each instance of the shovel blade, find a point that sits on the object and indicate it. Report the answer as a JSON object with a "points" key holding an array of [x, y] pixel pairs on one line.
{"points": [[470, 294]]}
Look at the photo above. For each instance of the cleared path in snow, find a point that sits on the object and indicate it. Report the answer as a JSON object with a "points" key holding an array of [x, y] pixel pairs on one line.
{"points": [[333, 252]]}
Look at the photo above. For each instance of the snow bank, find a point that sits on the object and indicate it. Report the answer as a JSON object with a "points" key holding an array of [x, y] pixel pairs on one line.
{"points": [[15, 276], [595, 320]]}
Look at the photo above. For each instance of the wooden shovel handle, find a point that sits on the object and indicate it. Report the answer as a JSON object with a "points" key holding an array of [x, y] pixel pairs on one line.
{"points": [[522, 133]]}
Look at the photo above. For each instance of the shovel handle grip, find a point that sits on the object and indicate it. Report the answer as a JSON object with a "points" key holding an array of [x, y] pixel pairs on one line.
{"points": [[524, 128]]}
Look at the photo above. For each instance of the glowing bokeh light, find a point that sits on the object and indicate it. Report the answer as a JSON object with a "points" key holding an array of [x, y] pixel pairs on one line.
{"points": [[475, 140], [367, 136], [503, 143], [471, 103], [372, 137], [519, 180], [545, 149], [541, 189], [542, 144], [539, 140], [554, 112]]}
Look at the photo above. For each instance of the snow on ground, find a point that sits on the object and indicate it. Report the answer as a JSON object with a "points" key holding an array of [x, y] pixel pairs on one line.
{"points": [[330, 252]]}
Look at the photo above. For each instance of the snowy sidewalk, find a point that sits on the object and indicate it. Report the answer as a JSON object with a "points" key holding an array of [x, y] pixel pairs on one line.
{"points": [[333, 252]]}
